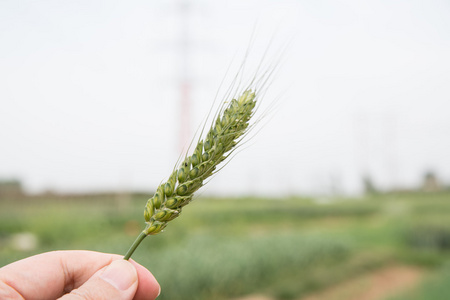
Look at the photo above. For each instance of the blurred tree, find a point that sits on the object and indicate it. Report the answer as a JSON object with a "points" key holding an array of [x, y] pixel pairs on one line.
{"points": [[369, 186]]}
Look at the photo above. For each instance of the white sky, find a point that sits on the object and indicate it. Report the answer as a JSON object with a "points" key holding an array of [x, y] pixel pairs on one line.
{"points": [[89, 92]]}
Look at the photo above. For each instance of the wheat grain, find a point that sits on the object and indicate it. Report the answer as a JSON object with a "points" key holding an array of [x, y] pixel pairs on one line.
{"points": [[226, 132]]}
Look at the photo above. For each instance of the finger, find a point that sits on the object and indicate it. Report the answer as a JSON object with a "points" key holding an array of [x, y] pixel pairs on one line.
{"points": [[53, 274], [118, 281], [148, 287]]}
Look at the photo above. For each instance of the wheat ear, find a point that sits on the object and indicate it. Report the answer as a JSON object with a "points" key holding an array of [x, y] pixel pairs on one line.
{"points": [[227, 130]]}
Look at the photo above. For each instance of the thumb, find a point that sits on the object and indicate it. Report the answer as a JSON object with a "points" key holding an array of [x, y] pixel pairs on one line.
{"points": [[117, 281]]}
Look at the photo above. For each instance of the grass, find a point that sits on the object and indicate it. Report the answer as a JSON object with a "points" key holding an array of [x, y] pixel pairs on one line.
{"points": [[224, 248], [208, 266]]}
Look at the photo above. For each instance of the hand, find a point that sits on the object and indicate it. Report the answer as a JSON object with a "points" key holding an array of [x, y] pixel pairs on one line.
{"points": [[77, 275]]}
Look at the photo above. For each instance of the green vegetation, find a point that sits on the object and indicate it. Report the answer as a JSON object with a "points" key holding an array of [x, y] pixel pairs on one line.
{"points": [[225, 248]]}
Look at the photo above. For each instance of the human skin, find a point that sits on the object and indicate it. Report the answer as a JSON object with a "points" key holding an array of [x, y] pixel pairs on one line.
{"points": [[77, 275]]}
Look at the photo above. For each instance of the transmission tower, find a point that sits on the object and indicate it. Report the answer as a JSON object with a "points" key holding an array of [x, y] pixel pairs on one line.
{"points": [[185, 80]]}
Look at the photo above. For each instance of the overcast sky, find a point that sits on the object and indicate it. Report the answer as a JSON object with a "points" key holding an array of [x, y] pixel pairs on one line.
{"points": [[90, 92]]}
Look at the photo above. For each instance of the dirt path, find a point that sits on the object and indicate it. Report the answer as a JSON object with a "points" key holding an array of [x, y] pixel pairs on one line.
{"points": [[377, 285]]}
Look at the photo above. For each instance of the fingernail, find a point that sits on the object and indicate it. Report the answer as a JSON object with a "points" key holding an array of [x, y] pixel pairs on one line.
{"points": [[121, 274]]}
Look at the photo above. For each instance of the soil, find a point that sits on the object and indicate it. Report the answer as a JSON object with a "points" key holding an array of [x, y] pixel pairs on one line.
{"points": [[377, 285]]}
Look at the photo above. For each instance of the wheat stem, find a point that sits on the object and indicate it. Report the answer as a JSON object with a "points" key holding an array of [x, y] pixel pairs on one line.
{"points": [[136, 243]]}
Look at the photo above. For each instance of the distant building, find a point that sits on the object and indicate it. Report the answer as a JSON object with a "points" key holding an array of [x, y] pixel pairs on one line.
{"points": [[10, 188], [430, 182]]}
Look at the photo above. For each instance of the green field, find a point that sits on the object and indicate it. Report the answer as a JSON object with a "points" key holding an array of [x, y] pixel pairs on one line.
{"points": [[227, 248]]}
